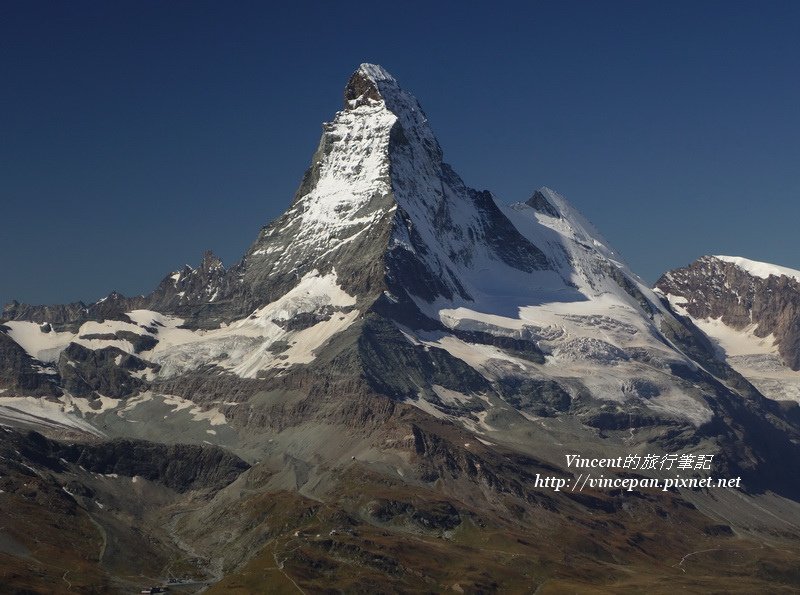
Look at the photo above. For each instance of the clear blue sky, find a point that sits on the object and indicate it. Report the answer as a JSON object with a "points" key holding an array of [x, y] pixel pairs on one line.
{"points": [[136, 134]]}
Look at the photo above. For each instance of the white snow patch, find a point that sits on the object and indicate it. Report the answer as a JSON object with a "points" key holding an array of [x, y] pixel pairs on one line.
{"points": [[213, 416], [678, 304], [39, 411], [147, 374], [45, 347], [760, 269], [133, 402], [737, 342], [82, 405], [427, 407], [487, 359], [450, 397]]}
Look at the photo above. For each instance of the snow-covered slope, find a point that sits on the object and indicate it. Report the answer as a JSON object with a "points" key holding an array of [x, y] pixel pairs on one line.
{"points": [[596, 323]]}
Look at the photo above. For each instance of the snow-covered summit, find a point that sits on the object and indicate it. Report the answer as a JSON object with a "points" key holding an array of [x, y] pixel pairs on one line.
{"points": [[549, 202], [380, 206], [760, 269], [377, 74], [372, 82]]}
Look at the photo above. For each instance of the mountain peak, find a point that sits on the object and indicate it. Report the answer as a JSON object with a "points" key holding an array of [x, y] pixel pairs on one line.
{"points": [[760, 269], [360, 90], [538, 201], [210, 262], [372, 84], [376, 73], [369, 83]]}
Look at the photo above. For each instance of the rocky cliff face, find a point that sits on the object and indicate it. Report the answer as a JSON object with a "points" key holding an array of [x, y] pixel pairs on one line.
{"points": [[21, 372], [751, 310], [179, 467]]}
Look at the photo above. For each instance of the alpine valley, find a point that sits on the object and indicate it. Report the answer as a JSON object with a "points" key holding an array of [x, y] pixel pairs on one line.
{"points": [[365, 401]]}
